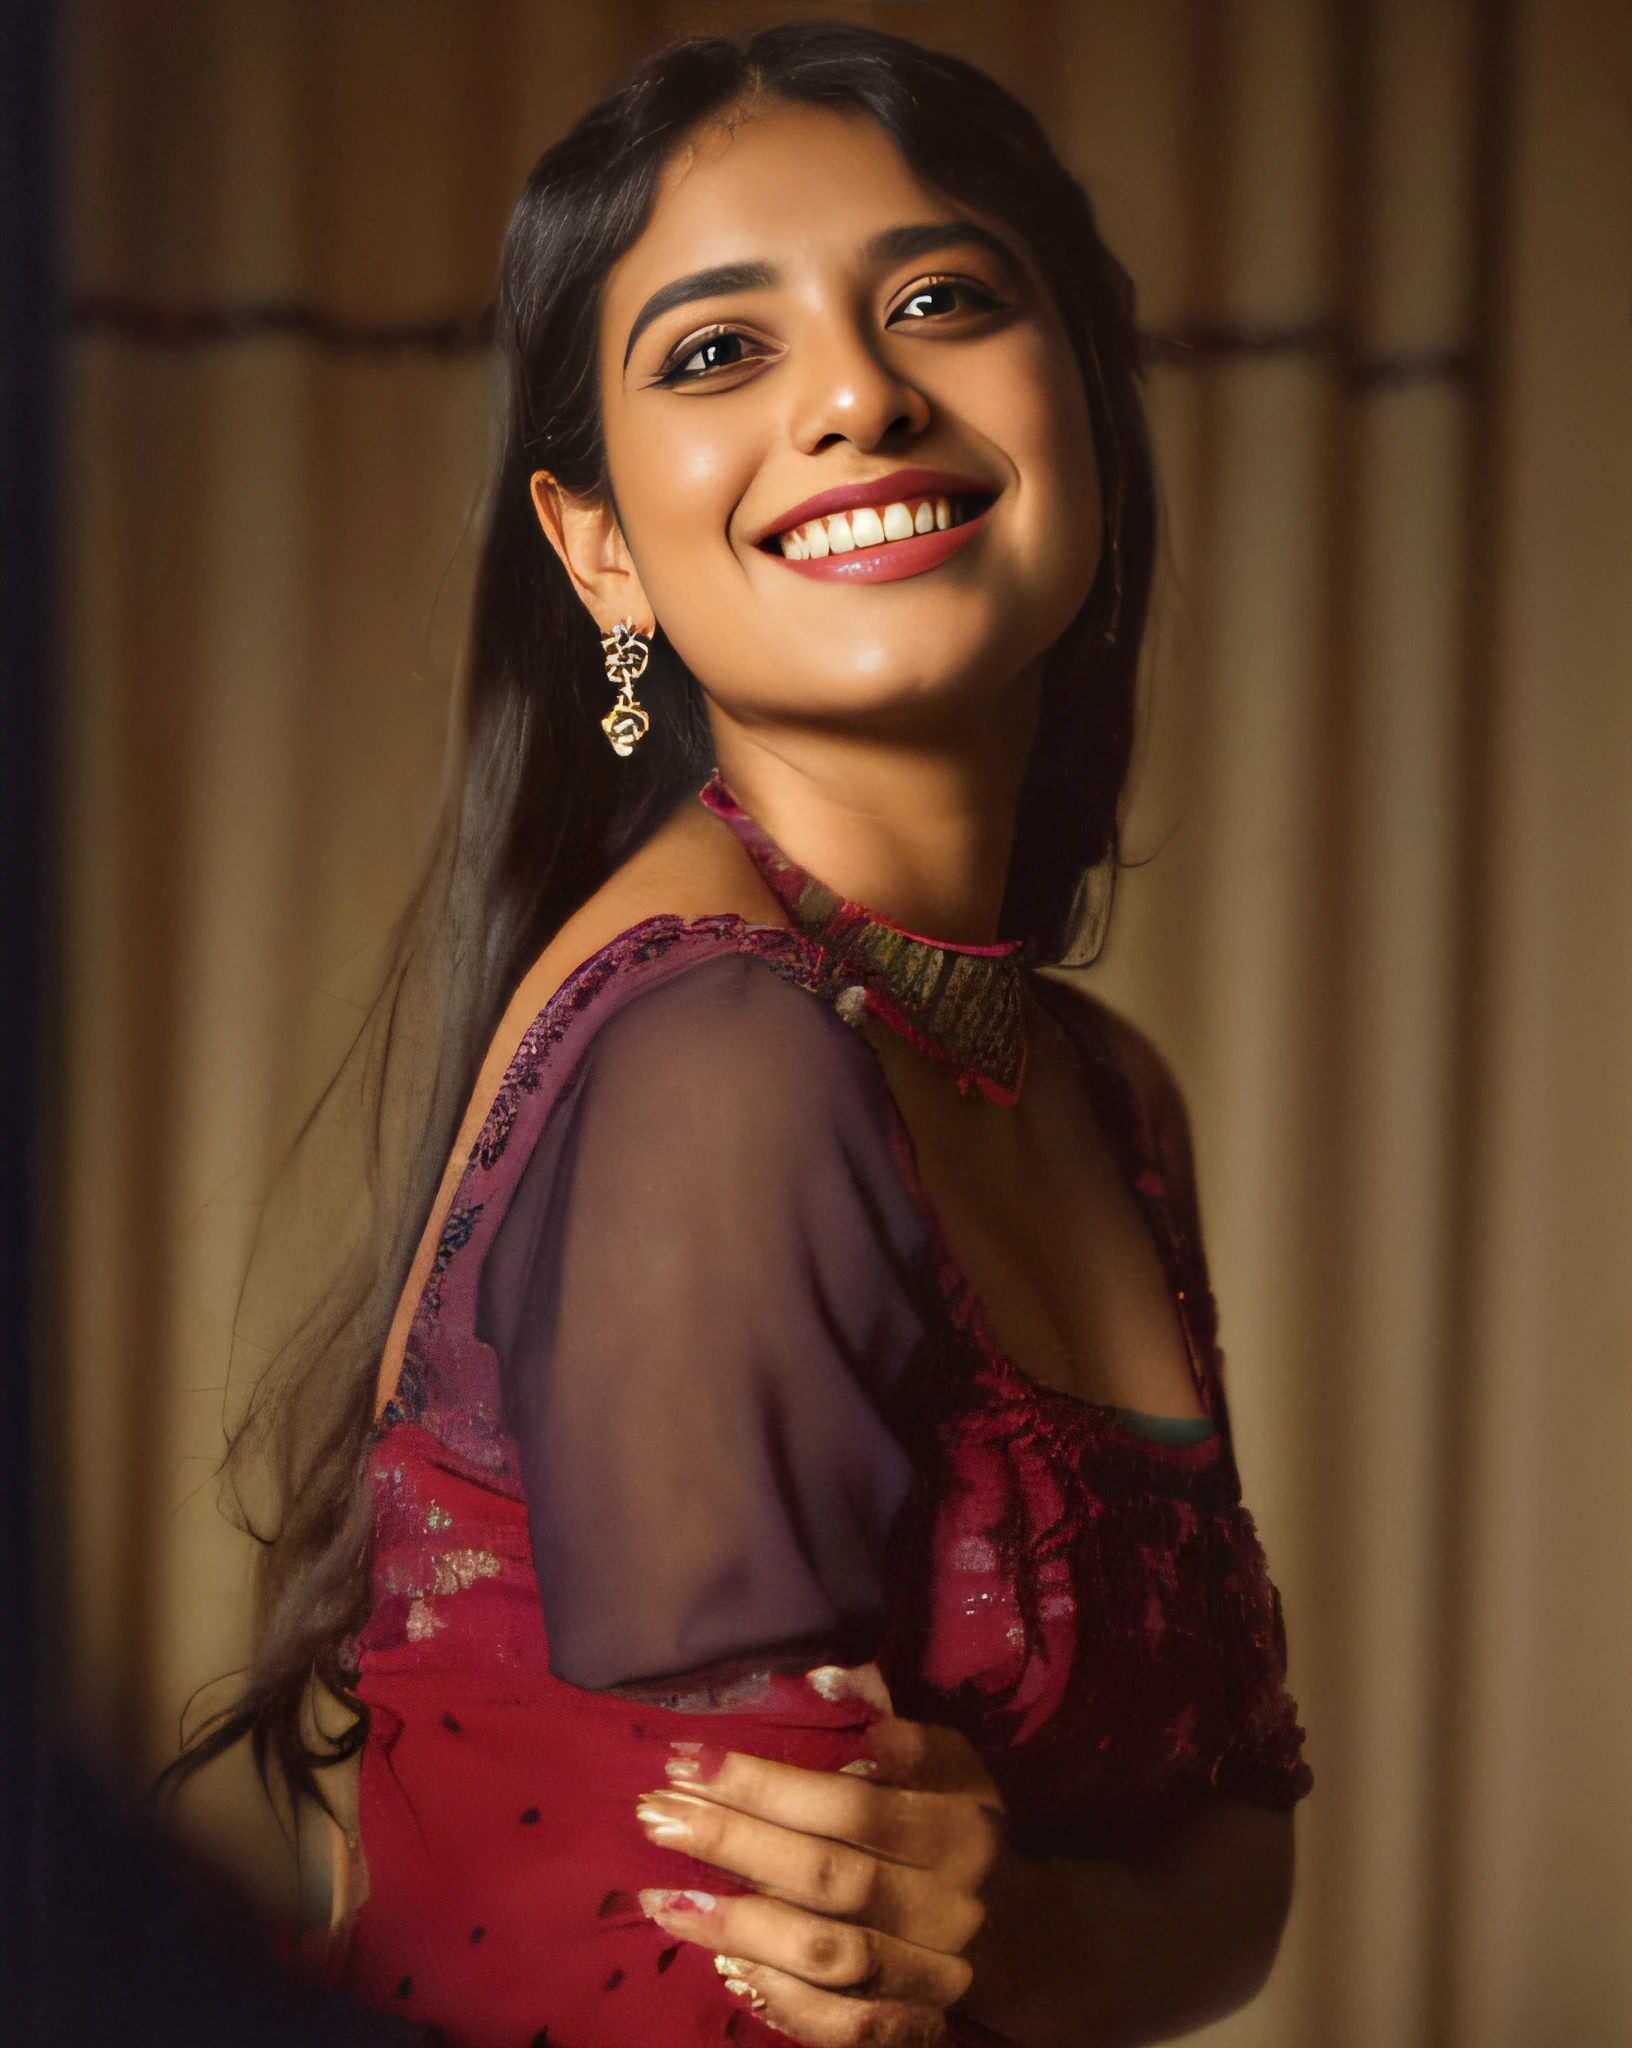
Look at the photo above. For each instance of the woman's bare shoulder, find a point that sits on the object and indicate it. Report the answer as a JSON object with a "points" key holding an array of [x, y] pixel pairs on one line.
{"points": [[691, 867]]}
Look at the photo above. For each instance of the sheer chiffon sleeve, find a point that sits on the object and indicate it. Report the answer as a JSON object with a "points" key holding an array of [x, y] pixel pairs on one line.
{"points": [[704, 1300]]}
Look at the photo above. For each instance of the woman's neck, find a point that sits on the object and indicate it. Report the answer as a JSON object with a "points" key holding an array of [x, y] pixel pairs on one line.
{"points": [[922, 840], [921, 836]]}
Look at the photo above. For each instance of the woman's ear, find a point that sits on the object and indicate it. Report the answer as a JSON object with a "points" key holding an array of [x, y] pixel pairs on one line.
{"points": [[586, 535]]}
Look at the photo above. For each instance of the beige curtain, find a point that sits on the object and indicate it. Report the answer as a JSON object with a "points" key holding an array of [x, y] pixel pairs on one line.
{"points": [[1384, 920]]}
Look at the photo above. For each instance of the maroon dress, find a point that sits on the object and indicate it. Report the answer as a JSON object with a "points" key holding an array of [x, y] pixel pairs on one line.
{"points": [[696, 1399]]}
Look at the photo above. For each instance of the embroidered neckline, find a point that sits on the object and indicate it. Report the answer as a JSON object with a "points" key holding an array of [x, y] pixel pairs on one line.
{"points": [[963, 1007]]}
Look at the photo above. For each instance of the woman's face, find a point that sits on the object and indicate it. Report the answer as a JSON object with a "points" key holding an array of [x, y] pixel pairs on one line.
{"points": [[848, 440]]}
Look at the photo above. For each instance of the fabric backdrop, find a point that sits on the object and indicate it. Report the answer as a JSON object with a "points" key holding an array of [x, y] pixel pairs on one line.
{"points": [[1382, 924]]}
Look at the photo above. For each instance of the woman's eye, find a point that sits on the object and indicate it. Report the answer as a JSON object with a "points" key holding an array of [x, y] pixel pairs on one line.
{"points": [[718, 352], [946, 295]]}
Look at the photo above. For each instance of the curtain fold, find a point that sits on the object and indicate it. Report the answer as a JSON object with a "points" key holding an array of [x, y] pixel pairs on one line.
{"points": [[1381, 911]]}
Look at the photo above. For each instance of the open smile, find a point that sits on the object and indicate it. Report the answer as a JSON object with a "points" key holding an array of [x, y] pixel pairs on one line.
{"points": [[899, 525]]}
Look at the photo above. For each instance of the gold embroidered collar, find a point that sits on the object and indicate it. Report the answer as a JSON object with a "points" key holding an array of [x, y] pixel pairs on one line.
{"points": [[961, 1006]]}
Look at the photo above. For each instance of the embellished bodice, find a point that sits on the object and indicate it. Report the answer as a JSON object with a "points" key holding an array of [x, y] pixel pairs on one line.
{"points": [[1089, 1606]]}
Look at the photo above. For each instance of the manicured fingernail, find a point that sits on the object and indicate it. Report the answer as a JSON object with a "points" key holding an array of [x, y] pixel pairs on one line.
{"points": [[861, 1682], [661, 1822], [730, 1968], [863, 1767], [693, 1763], [655, 1904], [666, 1815]]}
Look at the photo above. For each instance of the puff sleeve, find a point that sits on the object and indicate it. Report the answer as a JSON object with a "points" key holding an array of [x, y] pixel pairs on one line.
{"points": [[705, 1299]]}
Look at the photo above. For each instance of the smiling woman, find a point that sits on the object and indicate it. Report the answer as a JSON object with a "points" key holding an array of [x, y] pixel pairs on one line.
{"points": [[861, 521], [808, 1324]]}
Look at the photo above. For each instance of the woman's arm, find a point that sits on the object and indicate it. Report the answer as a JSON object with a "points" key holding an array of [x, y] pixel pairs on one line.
{"points": [[1103, 1952], [868, 1894]]}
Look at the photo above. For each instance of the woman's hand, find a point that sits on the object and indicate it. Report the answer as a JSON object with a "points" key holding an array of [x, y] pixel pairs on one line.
{"points": [[866, 1883]]}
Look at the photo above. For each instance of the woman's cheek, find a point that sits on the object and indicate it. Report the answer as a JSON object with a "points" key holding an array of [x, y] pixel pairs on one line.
{"points": [[691, 458], [1024, 397], [676, 508], [697, 589]]}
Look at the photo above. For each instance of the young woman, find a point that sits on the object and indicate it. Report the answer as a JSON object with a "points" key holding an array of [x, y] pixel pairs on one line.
{"points": [[810, 1328]]}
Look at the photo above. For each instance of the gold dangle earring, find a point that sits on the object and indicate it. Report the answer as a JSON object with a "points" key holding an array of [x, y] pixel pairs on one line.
{"points": [[627, 653]]}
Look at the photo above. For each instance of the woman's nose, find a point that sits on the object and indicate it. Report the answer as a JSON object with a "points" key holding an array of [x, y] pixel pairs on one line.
{"points": [[850, 395]]}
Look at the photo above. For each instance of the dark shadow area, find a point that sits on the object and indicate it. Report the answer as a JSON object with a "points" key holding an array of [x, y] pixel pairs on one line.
{"points": [[139, 1945], [28, 422], [107, 1933]]}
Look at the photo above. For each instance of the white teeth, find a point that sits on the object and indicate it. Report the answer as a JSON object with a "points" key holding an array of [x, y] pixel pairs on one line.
{"points": [[867, 527]]}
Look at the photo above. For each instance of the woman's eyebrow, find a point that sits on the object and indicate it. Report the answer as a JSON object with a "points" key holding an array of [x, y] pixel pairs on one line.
{"points": [[701, 284], [901, 245]]}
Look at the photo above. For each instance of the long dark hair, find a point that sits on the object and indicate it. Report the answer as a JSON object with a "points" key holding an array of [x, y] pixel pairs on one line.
{"points": [[541, 811]]}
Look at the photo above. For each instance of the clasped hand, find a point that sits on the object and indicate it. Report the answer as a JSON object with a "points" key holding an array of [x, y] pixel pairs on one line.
{"points": [[865, 1883]]}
